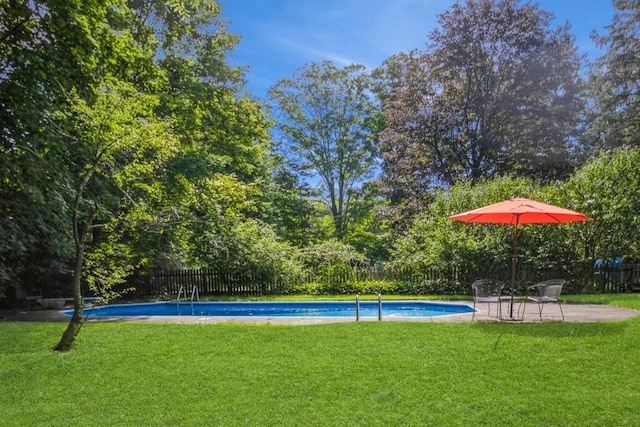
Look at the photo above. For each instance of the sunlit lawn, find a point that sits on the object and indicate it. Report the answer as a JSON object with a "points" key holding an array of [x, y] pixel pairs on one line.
{"points": [[368, 373]]}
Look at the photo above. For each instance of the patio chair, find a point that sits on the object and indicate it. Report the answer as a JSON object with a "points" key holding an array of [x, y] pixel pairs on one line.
{"points": [[545, 293], [489, 291]]}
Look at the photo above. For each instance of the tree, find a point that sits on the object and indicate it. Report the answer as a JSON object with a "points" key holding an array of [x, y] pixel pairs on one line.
{"points": [[606, 189], [614, 82], [116, 149], [328, 122], [287, 205], [369, 233], [224, 140], [407, 180], [496, 92], [433, 241], [47, 50]]}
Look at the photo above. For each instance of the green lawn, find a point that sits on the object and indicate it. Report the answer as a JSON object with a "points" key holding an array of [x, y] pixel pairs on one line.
{"points": [[368, 373]]}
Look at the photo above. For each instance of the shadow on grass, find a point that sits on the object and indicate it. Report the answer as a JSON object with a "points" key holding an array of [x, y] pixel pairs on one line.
{"points": [[557, 329]]}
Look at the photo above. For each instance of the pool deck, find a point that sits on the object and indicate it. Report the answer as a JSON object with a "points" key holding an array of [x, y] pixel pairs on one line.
{"points": [[575, 313]]}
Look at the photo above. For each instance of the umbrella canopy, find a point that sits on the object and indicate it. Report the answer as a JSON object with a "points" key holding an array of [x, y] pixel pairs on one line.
{"points": [[519, 210], [516, 211]]}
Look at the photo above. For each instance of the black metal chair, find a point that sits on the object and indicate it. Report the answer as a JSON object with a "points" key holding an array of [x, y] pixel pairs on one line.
{"points": [[547, 292], [487, 291]]}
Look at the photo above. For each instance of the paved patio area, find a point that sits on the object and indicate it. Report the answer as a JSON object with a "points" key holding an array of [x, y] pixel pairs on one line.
{"points": [[577, 313]]}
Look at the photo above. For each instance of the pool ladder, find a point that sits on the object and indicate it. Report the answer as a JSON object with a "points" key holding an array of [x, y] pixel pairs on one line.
{"points": [[358, 307], [195, 295]]}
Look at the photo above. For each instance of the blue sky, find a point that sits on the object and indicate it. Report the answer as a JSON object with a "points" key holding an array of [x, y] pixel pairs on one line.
{"points": [[280, 36]]}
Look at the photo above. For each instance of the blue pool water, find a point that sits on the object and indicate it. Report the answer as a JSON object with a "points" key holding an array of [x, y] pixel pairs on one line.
{"points": [[278, 309]]}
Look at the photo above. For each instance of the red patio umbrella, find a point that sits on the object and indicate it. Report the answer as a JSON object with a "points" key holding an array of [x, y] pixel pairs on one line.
{"points": [[516, 211]]}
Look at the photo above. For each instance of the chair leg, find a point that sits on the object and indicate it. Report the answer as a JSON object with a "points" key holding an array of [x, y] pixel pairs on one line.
{"points": [[540, 307], [561, 312]]}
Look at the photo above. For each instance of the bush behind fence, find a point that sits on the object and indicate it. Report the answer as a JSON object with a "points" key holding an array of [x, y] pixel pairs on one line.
{"points": [[442, 281]]}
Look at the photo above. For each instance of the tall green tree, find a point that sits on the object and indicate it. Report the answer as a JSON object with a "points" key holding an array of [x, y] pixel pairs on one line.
{"points": [[66, 67], [49, 49], [117, 150], [224, 142], [606, 189], [614, 83], [328, 123], [288, 205], [497, 91]]}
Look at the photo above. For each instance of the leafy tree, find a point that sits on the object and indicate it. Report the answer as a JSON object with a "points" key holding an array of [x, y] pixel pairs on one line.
{"points": [[330, 260], [497, 91], [614, 82], [48, 49], [434, 241], [369, 233], [211, 208], [407, 180], [328, 121], [607, 190], [32, 252], [223, 135], [122, 120], [287, 206], [220, 131], [116, 149]]}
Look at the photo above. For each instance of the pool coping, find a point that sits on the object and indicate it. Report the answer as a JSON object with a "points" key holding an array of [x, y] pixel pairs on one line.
{"points": [[575, 313]]}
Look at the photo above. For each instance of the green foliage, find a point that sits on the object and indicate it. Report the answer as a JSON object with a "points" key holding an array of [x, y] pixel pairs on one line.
{"points": [[261, 252], [108, 265], [33, 251], [369, 232], [608, 191], [249, 247], [384, 287], [219, 179], [49, 50], [481, 102], [329, 124], [348, 287], [208, 211], [286, 205], [330, 261], [118, 148], [614, 81], [433, 241]]}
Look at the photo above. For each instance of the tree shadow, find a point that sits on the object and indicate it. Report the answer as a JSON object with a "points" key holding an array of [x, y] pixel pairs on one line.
{"points": [[557, 329]]}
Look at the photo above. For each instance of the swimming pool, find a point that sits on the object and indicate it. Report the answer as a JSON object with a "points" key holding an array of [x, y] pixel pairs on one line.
{"points": [[278, 309]]}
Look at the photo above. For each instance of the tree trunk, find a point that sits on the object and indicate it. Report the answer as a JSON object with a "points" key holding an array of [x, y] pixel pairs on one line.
{"points": [[69, 335]]}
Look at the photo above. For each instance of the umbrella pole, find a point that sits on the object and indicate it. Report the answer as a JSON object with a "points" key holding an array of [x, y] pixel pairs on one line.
{"points": [[514, 262]]}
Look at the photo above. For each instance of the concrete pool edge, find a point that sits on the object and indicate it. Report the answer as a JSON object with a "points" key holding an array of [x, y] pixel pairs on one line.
{"points": [[574, 313]]}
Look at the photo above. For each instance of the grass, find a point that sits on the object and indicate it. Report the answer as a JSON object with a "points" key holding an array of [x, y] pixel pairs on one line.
{"points": [[618, 300], [368, 373]]}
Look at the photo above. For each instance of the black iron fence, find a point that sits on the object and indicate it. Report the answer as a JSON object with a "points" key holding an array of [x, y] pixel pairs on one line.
{"points": [[582, 277], [209, 281]]}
